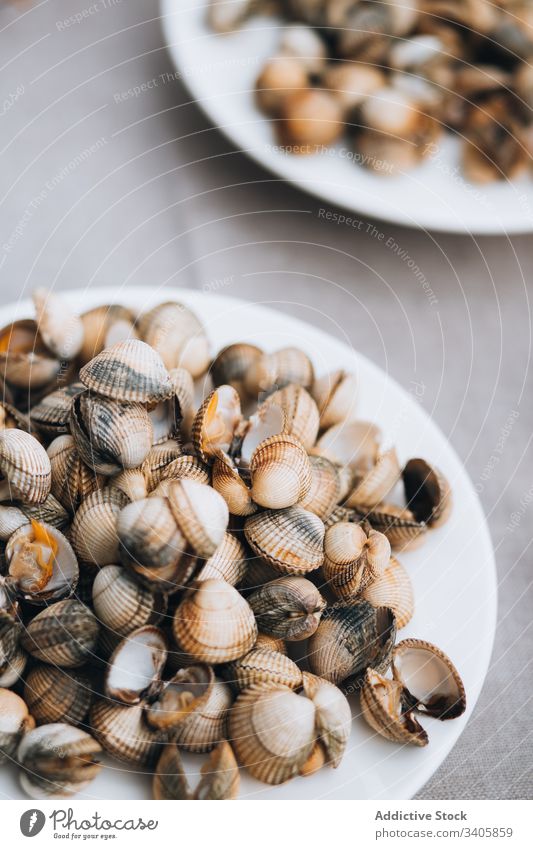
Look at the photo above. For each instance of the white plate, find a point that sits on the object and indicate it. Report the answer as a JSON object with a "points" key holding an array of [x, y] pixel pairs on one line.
{"points": [[220, 72], [453, 573]]}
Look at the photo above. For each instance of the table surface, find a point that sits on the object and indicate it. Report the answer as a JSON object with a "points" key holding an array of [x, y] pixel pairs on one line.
{"points": [[101, 185]]}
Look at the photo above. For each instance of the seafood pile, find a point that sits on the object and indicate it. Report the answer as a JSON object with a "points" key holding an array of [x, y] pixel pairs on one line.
{"points": [[392, 78], [196, 556]]}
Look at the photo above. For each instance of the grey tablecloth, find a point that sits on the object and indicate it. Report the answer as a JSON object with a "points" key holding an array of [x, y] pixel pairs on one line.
{"points": [[96, 189]]}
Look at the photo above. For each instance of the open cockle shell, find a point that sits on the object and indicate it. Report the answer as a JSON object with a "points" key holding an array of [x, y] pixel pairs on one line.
{"points": [[15, 721], [232, 487], [300, 413], [41, 563], [186, 693], [393, 589], [336, 398], [214, 623], [216, 422], [45, 772], [333, 716], [384, 708], [174, 331], [136, 664], [123, 732], [63, 634], [24, 467], [122, 604], [432, 684], [57, 695], [219, 780], [288, 608], [206, 727], [353, 558], [375, 484], [272, 729], [25, 362], [94, 530], [129, 371], [398, 524], [60, 328], [349, 639], [427, 493], [280, 472], [290, 540], [262, 665]]}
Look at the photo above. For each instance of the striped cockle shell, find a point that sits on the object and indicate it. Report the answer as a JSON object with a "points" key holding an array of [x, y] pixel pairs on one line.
{"points": [[72, 479], [11, 519], [132, 482], [57, 695], [201, 514], [258, 572], [216, 421], [174, 331], [51, 416], [104, 326], [274, 371], [44, 773], [187, 466], [325, 490], [41, 563], [290, 540], [220, 776], [109, 435], [266, 641], [288, 608], [353, 558], [432, 684], [93, 533], [63, 634], [124, 733], [235, 491], [24, 467], [121, 603], [50, 512], [206, 727], [13, 658], [231, 365], [375, 484], [262, 665], [272, 730], [214, 623], [59, 327], [393, 589], [398, 524], [336, 398], [352, 443], [228, 563], [280, 472], [333, 716], [129, 371], [170, 780], [300, 413], [15, 721], [186, 693], [10, 417], [349, 639], [135, 667], [384, 708], [427, 493], [158, 459]]}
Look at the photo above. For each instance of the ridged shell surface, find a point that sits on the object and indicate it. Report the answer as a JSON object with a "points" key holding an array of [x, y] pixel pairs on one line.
{"points": [[291, 540], [128, 371]]}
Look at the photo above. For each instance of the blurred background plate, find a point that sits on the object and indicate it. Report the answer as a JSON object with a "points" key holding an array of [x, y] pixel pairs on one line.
{"points": [[220, 72], [453, 574]]}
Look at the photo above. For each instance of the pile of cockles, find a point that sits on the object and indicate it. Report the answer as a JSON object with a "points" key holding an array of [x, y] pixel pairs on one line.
{"points": [[197, 557], [393, 78]]}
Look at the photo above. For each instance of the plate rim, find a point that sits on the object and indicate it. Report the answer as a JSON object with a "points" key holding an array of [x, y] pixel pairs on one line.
{"points": [[88, 297], [168, 9]]}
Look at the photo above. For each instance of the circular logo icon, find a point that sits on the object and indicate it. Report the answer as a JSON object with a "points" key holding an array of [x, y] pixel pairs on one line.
{"points": [[32, 822]]}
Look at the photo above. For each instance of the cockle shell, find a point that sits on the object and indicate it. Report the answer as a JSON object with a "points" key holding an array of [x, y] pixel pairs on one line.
{"points": [[288, 608], [280, 472], [12, 656], [231, 365], [427, 493], [10, 417], [72, 479], [63, 634], [349, 639], [50, 512], [121, 603], [398, 524], [129, 371], [384, 708], [262, 665], [352, 443], [333, 716], [25, 362], [57, 695], [325, 490], [103, 327], [393, 589], [93, 533], [232, 487], [24, 467], [266, 641], [276, 370], [336, 398], [46, 774], [41, 563], [353, 558], [300, 413], [109, 435], [200, 513], [170, 781], [51, 415], [123, 732], [159, 458], [214, 623], [432, 684], [204, 728], [219, 776], [187, 466], [175, 332], [136, 664], [272, 729], [11, 519], [216, 422], [186, 693], [15, 721], [375, 484], [290, 540], [228, 563], [60, 328]]}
